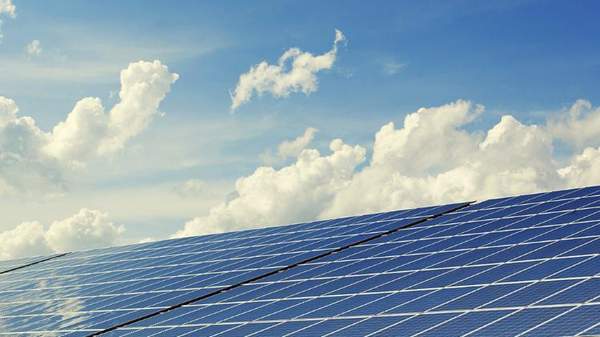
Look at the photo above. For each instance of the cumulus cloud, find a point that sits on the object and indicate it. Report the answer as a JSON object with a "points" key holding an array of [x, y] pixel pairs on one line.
{"points": [[34, 48], [438, 127], [584, 169], [31, 157], [295, 71], [89, 130], [86, 229], [512, 158], [290, 148], [27, 239], [293, 193], [579, 126], [433, 157], [8, 110]]}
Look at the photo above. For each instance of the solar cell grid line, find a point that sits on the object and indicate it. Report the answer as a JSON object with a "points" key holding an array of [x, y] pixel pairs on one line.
{"points": [[570, 322], [591, 331], [506, 296], [54, 287], [216, 300], [501, 321], [444, 323], [495, 301]]}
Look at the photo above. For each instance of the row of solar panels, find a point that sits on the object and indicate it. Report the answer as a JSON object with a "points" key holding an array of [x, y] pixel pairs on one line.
{"points": [[518, 266]]}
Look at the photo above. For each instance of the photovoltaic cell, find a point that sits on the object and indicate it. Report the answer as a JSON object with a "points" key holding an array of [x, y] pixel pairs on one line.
{"points": [[85, 292], [521, 266]]}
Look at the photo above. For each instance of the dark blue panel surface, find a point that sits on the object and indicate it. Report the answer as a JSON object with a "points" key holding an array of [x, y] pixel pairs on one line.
{"points": [[526, 264]]}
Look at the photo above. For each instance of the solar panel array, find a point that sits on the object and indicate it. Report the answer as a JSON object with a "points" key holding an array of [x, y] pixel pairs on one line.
{"points": [[86, 292], [519, 266]]}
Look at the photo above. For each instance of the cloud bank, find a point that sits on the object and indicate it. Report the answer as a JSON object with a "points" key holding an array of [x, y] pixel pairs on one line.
{"points": [[295, 71], [87, 229], [35, 160], [432, 158]]}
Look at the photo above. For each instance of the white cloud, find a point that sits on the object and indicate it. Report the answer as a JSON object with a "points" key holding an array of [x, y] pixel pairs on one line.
{"points": [[31, 158], [8, 110], [34, 48], [89, 131], [430, 140], [584, 169], [27, 239], [433, 158], [295, 71], [290, 148], [87, 229], [579, 126], [293, 193], [7, 8], [443, 163]]}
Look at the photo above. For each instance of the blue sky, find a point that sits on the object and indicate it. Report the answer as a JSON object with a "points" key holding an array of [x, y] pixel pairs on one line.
{"points": [[528, 59]]}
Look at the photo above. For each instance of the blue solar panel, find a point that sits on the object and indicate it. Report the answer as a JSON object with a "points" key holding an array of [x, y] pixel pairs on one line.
{"points": [[85, 292], [524, 265]]}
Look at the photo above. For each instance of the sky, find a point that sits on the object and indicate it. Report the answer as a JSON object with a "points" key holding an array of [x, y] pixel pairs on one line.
{"points": [[123, 122]]}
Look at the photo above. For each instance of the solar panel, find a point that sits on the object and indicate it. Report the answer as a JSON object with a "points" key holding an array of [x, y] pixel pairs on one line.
{"points": [[83, 293], [521, 266]]}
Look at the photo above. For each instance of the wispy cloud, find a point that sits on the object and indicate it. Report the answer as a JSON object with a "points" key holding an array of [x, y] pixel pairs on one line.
{"points": [[79, 53], [391, 67]]}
